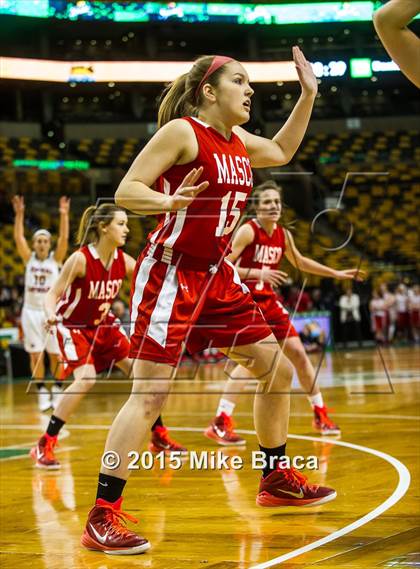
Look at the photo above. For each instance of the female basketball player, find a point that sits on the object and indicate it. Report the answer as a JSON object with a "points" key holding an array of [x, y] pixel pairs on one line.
{"points": [[401, 43], [91, 339], [41, 270], [200, 163], [258, 247]]}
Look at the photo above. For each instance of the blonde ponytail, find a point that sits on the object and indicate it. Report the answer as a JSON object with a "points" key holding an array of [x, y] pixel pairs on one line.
{"points": [[176, 101], [91, 219]]}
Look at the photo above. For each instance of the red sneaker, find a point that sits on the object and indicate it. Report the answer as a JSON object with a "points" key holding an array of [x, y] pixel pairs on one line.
{"points": [[221, 430], [162, 442], [323, 424], [106, 531], [43, 453], [288, 487]]}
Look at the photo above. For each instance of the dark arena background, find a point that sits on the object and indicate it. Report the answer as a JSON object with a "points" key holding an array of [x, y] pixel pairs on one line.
{"points": [[79, 92]]}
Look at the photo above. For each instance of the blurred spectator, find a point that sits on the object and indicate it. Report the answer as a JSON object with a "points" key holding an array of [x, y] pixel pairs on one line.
{"points": [[318, 300], [298, 300], [378, 316], [10, 305], [414, 311], [120, 310], [313, 337], [350, 316], [402, 315], [390, 305]]}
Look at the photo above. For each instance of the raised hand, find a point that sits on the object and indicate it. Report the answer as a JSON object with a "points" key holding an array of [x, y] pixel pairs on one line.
{"points": [[305, 72], [356, 274], [64, 205], [273, 276], [187, 191], [18, 204]]}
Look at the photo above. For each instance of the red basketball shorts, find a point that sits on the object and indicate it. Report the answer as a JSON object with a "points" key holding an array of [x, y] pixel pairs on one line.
{"points": [[173, 303], [276, 316], [102, 346]]}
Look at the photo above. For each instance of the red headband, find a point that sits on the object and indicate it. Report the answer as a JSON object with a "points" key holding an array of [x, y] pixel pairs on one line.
{"points": [[217, 62]]}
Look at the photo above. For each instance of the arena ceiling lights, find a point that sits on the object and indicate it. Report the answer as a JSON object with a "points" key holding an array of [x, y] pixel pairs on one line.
{"points": [[222, 12]]}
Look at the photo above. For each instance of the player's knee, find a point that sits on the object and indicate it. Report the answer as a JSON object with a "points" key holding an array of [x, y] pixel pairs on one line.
{"points": [[276, 369], [285, 371]]}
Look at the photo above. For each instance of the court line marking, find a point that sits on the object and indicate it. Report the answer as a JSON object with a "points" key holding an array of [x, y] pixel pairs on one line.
{"points": [[401, 489], [204, 414], [27, 455], [63, 435], [399, 492]]}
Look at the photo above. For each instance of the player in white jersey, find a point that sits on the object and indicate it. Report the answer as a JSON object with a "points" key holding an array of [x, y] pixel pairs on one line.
{"points": [[41, 270]]}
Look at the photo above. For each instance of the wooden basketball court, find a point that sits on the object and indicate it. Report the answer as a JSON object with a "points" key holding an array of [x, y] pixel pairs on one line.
{"points": [[208, 518]]}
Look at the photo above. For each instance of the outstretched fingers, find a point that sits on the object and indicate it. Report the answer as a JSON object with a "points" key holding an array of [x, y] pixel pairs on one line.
{"points": [[192, 176]]}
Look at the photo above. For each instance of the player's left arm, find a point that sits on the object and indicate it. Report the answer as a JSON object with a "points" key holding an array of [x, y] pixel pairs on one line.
{"points": [[299, 261], [402, 44], [63, 232], [130, 265], [283, 146]]}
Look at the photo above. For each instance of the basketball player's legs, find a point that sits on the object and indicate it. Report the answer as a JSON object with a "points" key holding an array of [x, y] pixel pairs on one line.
{"points": [[84, 380], [131, 427], [53, 350], [37, 366], [55, 366], [294, 350], [34, 342], [160, 441], [43, 452], [38, 376], [266, 362]]}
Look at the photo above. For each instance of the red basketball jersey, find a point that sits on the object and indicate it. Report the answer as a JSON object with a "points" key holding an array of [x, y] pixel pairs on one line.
{"points": [[87, 301], [264, 251], [199, 229]]}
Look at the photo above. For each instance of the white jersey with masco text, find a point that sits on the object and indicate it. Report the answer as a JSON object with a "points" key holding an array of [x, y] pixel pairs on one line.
{"points": [[39, 278]]}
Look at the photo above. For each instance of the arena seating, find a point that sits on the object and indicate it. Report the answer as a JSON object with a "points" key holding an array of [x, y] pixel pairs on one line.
{"points": [[381, 207]]}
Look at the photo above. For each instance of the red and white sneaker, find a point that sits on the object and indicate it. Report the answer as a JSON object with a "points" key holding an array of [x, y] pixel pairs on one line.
{"points": [[288, 487], [221, 430], [323, 424], [106, 530], [161, 441], [43, 453]]}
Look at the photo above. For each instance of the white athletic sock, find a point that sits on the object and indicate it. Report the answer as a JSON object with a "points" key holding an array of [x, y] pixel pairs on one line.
{"points": [[225, 406], [316, 400]]}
